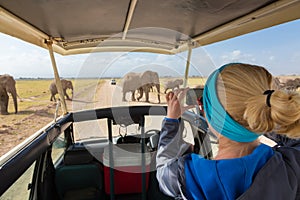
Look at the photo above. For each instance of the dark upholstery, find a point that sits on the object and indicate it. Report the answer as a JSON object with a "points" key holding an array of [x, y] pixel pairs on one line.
{"points": [[80, 177]]}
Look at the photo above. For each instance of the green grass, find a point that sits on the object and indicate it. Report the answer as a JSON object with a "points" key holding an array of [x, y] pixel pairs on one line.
{"points": [[33, 88], [32, 93], [36, 92]]}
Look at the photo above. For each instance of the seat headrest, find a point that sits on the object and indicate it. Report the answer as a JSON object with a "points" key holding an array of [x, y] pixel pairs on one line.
{"points": [[75, 155]]}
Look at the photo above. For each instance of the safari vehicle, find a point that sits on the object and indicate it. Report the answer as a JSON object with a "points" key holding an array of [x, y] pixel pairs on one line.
{"points": [[113, 82], [94, 153]]}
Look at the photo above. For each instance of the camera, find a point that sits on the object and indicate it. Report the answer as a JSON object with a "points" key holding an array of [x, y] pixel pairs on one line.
{"points": [[194, 96]]}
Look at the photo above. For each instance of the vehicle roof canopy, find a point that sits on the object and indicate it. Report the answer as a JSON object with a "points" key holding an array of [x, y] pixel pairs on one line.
{"points": [[82, 26]]}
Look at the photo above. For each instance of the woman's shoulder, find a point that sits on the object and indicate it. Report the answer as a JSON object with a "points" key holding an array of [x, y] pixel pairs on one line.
{"points": [[274, 179], [289, 154]]}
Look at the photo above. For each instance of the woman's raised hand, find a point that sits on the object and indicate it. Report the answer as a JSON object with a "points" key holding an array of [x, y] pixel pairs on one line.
{"points": [[175, 101]]}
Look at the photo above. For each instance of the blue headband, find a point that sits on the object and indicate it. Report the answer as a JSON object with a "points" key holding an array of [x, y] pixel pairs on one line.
{"points": [[217, 116]]}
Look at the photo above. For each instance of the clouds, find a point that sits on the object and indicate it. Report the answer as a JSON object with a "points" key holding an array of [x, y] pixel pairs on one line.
{"points": [[118, 64], [21, 62], [275, 48], [237, 56], [266, 58], [278, 61]]}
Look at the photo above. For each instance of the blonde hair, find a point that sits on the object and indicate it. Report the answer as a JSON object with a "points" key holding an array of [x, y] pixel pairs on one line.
{"points": [[240, 91]]}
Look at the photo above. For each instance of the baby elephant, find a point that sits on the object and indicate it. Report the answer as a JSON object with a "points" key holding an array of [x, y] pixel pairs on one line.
{"points": [[65, 85], [172, 84]]}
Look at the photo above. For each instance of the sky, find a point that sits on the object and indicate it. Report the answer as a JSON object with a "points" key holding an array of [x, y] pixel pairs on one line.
{"points": [[276, 48]]}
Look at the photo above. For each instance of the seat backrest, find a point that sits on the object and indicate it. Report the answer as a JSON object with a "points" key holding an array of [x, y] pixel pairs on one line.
{"points": [[77, 154], [78, 178], [80, 175]]}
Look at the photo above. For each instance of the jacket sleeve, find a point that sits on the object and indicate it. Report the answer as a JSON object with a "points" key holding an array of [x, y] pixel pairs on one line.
{"points": [[170, 160]]}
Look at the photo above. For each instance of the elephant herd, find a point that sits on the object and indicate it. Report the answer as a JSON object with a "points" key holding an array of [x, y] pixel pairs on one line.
{"points": [[143, 83], [290, 84], [8, 86], [136, 83]]}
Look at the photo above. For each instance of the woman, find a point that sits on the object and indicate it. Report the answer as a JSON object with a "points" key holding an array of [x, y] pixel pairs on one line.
{"points": [[241, 103]]}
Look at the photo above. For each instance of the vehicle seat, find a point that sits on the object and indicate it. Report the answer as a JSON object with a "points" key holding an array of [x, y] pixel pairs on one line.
{"points": [[79, 178]]}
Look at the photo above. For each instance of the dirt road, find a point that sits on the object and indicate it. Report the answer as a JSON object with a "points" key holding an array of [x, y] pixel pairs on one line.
{"points": [[107, 95]]}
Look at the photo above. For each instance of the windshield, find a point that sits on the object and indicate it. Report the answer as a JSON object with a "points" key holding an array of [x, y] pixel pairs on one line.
{"points": [[98, 78], [113, 79], [108, 79], [134, 79]]}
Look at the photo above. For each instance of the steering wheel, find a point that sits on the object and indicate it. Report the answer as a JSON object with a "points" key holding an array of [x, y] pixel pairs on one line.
{"points": [[153, 135], [155, 131]]}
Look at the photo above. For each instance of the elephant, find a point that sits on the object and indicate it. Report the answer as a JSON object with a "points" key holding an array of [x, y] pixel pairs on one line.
{"points": [[66, 84], [292, 84], [131, 83], [172, 84], [142, 82], [7, 85], [148, 80]]}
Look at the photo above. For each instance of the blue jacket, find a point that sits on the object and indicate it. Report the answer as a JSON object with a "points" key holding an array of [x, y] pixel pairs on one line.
{"points": [[267, 173]]}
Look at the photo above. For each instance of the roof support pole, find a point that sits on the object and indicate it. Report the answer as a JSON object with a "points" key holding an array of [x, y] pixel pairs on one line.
{"points": [[57, 78], [187, 67], [129, 17]]}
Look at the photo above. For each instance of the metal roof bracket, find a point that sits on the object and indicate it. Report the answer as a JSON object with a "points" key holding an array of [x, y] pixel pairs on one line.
{"points": [[188, 61], [129, 18]]}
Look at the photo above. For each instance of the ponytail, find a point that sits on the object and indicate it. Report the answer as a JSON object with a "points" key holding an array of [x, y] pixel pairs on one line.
{"points": [[282, 115], [285, 113]]}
